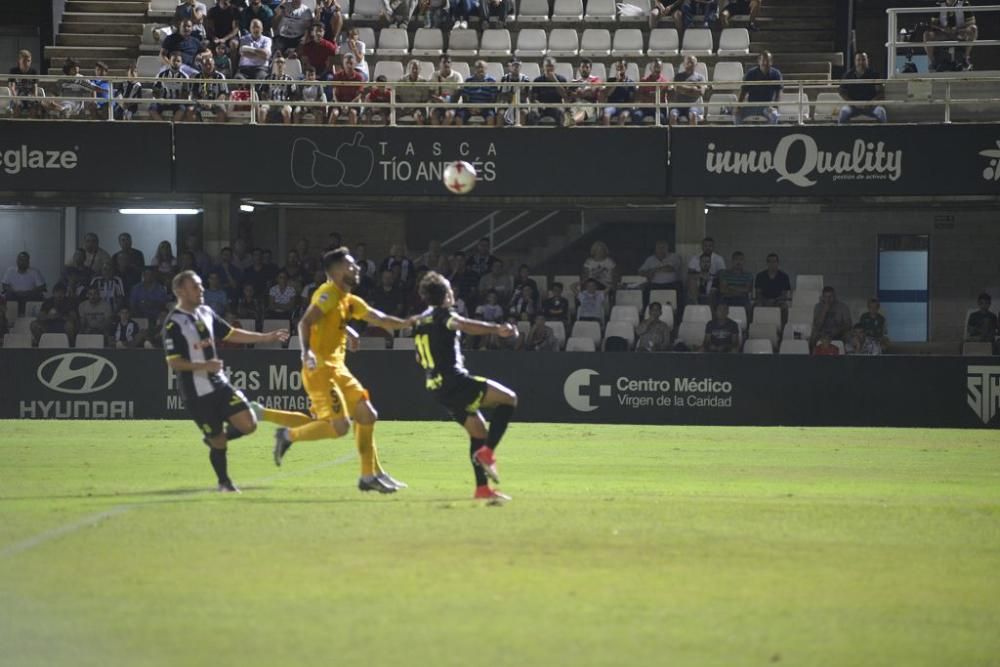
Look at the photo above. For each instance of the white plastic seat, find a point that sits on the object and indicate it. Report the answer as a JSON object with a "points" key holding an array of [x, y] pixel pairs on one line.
{"points": [[533, 11], [404, 344], [666, 296], [667, 316], [293, 68], [531, 43], [765, 330], [21, 325], [374, 342], [734, 42], [461, 43], [564, 43], [839, 344], [727, 71], [89, 341], [767, 315], [591, 330], [565, 70], [629, 297], [366, 10], [827, 107], [809, 281], [805, 297], [738, 314], [143, 322], [697, 42], [523, 327], [620, 329], [396, 42], [32, 308], [758, 346], [429, 42], [13, 341], [392, 70], [801, 314], [559, 331], [294, 343], [600, 10], [367, 35], [595, 43], [53, 340], [632, 280], [150, 35], [720, 107], [567, 11], [968, 349], [644, 16], [495, 43], [495, 69], [695, 313], [580, 344], [691, 334], [462, 68], [11, 306], [541, 281], [148, 65], [663, 42], [530, 70], [625, 314], [163, 6], [794, 347], [788, 107], [628, 43], [797, 330], [427, 69], [272, 324]]}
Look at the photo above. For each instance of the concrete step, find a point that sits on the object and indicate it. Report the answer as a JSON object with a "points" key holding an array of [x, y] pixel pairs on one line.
{"points": [[74, 39], [107, 6], [786, 46], [100, 28], [87, 63], [796, 35], [80, 53], [77, 17], [796, 10]]}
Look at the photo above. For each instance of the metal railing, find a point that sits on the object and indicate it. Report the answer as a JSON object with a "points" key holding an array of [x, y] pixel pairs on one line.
{"points": [[893, 44]]}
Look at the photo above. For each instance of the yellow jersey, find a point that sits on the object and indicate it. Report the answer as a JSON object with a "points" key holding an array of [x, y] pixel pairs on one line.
{"points": [[328, 335]]}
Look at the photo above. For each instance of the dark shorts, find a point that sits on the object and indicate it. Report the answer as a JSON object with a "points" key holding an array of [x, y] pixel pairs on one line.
{"points": [[53, 326], [174, 107], [466, 114], [738, 7], [211, 411], [461, 396]]}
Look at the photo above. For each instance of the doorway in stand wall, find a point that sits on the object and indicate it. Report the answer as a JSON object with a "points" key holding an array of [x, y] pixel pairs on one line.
{"points": [[904, 285]]}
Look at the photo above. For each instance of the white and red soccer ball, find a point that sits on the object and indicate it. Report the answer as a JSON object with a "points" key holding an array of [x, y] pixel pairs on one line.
{"points": [[459, 177]]}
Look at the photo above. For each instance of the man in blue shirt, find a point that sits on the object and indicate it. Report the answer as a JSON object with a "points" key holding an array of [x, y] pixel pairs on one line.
{"points": [[479, 89], [183, 41], [620, 97], [550, 95], [766, 97]]}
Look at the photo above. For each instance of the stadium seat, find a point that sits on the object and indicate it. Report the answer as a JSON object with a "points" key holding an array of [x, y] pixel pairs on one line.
{"points": [[427, 69], [366, 10], [738, 314], [665, 296], [367, 35], [495, 43], [564, 43], [565, 70], [404, 344], [462, 68], [143, 322], [31, 308], [151, 39], [396, 42], [53, 340], [801, 314], [697, 314], [789, 109], [567, 280], [805, 297], [794, 347], [628, 43], [582, 344], [294, 343], [530, 70], [839, 344], [542, 282], [531, 43], [590, 330], [21, 325], [375, 342], [691, 334], [533, 11], [293, 68], [629, 297], [758, 346], [461, 43], [720, 108], [429, 42], [643, 5], [803, 329], [567, 11], [559, 331], [494, 69], [663, 43], [271, 325], [523, 327], [625, 314], [727, 72], [621, 330], [163, 6], [89, 341], [11, 306], [600, 10], [667, 316], [595, 43], [148, 65], [764, 330], [16, 340], [809, 281], [697, 42], [734, 42], [632, 280], [827, 107], [977, 349], [767, 315], [392, 70]]}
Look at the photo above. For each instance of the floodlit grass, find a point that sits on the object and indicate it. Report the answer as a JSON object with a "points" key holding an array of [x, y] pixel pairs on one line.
{"points": [[623, 546]]}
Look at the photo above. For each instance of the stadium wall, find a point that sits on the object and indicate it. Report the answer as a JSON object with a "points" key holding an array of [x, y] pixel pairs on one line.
{"points": [[953, 392]]}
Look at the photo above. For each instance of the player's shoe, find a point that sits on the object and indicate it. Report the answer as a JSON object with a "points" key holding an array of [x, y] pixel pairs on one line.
{"points": [[228, 487], [484, 458], [258, 410], [281, 445], [389, 480], [373, 483], [491, 496]]}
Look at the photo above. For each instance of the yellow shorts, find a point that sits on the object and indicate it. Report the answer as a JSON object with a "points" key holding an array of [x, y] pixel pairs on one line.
{"points": [[333, 392]]}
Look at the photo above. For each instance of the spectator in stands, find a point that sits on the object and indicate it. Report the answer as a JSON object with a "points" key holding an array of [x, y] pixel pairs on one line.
{"points": [[412, 95], [741, 8], [154, 335], [875, 327], [982, 325], [259, 274], [208, 90], [481, 91], [73, 89], [389, 296], [278, 94], [824, 347], [95, 257], [291, 21], [450, 80], [164, 262], [523, 278], [620, 98], [552, 95], [223, 24], [248, 306], [182, 42], [858, 343], [490, 310], [171, 84], [482, 259], [319, 277], [432, 13], [22, 282], [377, 94], [494, 13], [663, 9], [215, 295], [499, 281], [255, 53], [256, 11], [736, 284], [590, 302], [830, 317], [701, 286], [464, 281], [185, 262], [190, 10], [230, 275], [359, 49], [110, 287], [133, 256], [461, 11], [397, 13], [434, 258], [203, 263], [688, 88], [661, 271], [126, 332], [653, 334], [56, 315], [540, 338], [647, 94], [957, 23], [772, 286], [586, 91], [763, 97], [600, 267], [95, 314], [220, 58], [349, 93], [241, 254], [556, 307], [403, 265], [522, 306], [77, 268], [861, 92], [129, 275], [296, 273], [281, 298], [368, 269], [25, 87], [316, 49], [330, 14], [506, 94], [717, 263], [721, 333], [149, 296], [128, 90], [102, 90]]}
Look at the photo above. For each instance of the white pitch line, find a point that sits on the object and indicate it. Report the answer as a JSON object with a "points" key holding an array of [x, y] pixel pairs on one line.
{"points": [[98, 517]]}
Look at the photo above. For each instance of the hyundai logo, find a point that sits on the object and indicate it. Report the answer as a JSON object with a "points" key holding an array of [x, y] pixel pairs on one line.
{"points": [[77, 373]]}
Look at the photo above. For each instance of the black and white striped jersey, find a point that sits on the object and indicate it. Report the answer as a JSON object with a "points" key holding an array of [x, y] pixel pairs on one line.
{"points": [[192, 336], [280, 92], [171, 84], [210, 87]]}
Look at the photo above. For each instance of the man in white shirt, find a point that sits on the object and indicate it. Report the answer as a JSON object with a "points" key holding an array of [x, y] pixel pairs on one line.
{"points": [[22, 282], [255, 53], [293, 20], [661, 271], [707, 247]]}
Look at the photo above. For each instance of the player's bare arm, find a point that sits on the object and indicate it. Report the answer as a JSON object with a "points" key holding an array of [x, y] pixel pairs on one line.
{"points": [[253, 337], [312, 316], [480, 328], [379, 319]]}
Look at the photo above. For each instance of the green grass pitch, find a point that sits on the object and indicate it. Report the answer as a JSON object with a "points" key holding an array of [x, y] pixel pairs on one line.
{"points": [[623, 546]]}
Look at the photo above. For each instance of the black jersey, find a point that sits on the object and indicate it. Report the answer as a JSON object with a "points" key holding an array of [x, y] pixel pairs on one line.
{"points": [[439, 348], [192, 336]]}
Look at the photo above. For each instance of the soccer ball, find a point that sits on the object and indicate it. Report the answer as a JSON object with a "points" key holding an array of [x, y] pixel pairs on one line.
{"points": [[459, 177]]}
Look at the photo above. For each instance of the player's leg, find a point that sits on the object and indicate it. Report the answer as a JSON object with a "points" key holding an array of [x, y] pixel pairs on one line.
{"points": [[207, 413], [327, 405], [283, 417], [373, 476], [503, 401], [239, 415]]}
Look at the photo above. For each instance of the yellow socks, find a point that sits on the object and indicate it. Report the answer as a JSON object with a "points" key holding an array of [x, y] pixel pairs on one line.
{"points": [[289, 419], [364, 435], [318, 430]]}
